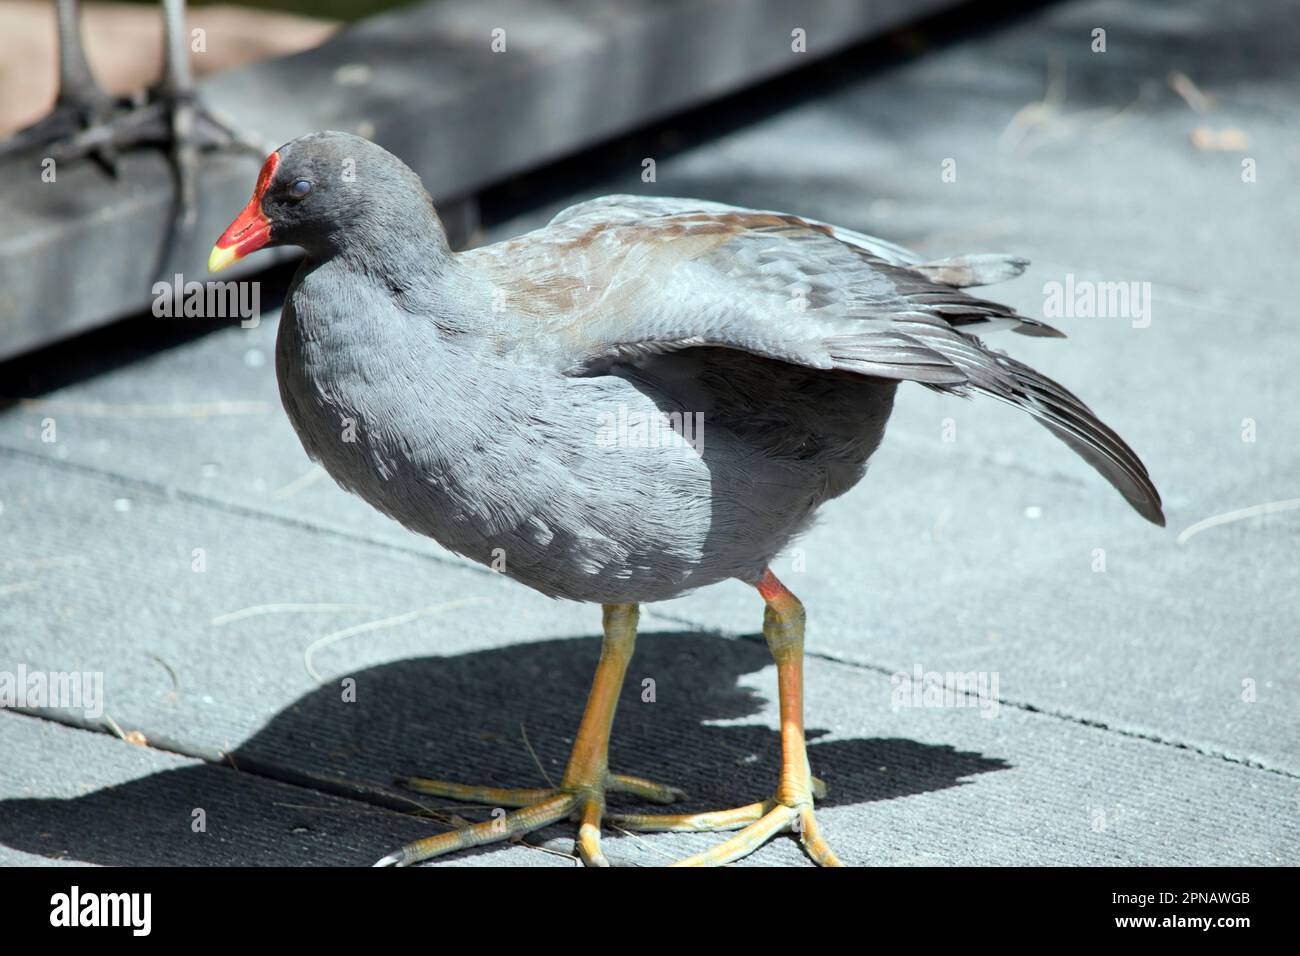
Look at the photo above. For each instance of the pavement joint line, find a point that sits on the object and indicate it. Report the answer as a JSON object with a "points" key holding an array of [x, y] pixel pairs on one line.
{"points": [[366, 794], [170, 492], [1150, 736], [246, 764]]}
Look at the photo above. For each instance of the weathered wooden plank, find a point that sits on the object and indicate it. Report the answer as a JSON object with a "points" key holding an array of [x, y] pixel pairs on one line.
{"points": [[424, 81]]}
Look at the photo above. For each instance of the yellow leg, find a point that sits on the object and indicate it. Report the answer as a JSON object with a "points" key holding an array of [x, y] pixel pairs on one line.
{"points": [[525, 796], [791, 808], [488, 796], [581, 793], [693, 822]]}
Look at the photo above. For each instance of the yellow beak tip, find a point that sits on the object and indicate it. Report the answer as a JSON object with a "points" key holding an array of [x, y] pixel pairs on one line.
{"points": [[220, 258]]}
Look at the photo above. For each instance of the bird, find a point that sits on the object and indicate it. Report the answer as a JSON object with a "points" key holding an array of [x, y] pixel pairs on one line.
{"points": [[87, 121], [644, 397]]}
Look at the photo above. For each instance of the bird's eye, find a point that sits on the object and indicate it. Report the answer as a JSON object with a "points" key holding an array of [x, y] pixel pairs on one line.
{"points": [[300, 189]]}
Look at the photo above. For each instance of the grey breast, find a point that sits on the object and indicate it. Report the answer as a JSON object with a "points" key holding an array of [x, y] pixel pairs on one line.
{"points": [[546, 477]]}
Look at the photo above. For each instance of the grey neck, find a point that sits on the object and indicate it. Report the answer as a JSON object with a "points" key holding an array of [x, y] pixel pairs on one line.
{"points": [[400, 248]]}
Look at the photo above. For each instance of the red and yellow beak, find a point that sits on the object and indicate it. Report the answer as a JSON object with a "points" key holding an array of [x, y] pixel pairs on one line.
{"points": [[251, 230]]}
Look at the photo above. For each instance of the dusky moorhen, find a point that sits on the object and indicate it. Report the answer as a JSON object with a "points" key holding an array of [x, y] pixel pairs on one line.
{"points": [[534, 405]]}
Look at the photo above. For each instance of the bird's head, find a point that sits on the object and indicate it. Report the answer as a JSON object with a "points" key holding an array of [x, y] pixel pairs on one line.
{"points": [[325, 191]]}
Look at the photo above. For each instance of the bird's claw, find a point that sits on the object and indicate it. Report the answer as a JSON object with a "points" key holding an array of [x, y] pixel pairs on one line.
{"points": [[103, 128], [757, 823], [534, 809]]}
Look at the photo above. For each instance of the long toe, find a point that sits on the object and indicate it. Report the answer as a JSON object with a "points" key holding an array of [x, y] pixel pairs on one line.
{"points": [[777, 820], [643, 789], [780, 818], [757, 822], [706, 822], [486, 796], [534, 808], [499, 828]]}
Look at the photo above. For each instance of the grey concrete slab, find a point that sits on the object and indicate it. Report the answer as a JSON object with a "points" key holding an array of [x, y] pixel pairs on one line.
{"points": [[909, 786], [127, 603], [199, 639], [73, 796], [204, 420], [11, 858], [955, 786]]}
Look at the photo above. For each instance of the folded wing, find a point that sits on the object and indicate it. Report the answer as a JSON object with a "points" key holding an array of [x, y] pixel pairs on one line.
{"points": [[619, 277]]}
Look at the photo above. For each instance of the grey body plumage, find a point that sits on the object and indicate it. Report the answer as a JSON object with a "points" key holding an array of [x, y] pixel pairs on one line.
{"points": [[506, 464], [469, 396]]}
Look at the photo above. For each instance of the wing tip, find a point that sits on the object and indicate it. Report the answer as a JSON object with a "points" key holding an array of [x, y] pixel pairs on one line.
{"points": [[1152, 510], [976, 269], [1037, 329]]}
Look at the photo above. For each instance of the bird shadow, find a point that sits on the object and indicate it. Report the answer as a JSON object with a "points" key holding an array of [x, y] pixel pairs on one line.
{"points": [[314, 786]]}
